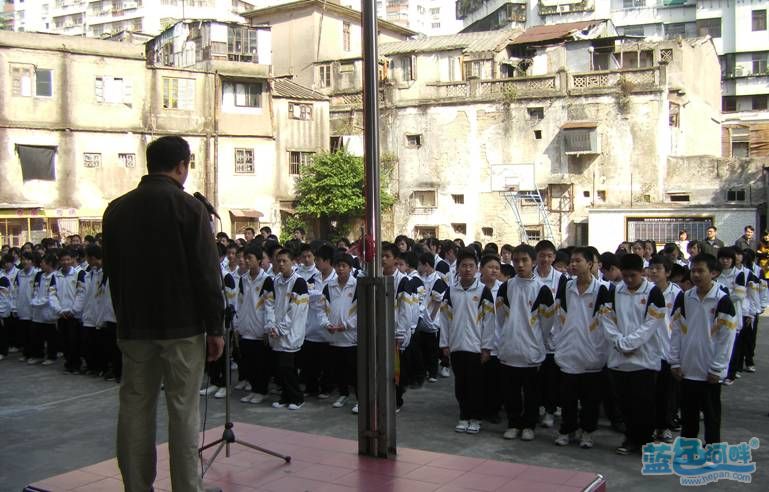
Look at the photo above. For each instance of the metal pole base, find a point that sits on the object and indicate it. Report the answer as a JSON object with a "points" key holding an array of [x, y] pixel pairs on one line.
{"points": [[228, 437]]}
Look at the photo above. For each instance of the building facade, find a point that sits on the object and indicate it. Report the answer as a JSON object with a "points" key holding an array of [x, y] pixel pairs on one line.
{"points": [[76, 116]]}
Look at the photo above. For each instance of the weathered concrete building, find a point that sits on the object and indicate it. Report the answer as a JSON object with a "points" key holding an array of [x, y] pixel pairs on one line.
{"points": [[76, 116]]}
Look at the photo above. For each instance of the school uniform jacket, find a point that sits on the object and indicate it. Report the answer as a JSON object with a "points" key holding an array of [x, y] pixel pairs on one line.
{"points": [[429, 309], [89, 303], [70, 288], [752, 305], [671, 293], [340, 306], [315, 331], [107, 311], [631, 322], [230, 283], [406, 309], [524, 309], [291, 305], [7, 284], [44, 305], [703, 334], [580, 345], [467, 319], [22, 293], [736, 283], [255, 313]]}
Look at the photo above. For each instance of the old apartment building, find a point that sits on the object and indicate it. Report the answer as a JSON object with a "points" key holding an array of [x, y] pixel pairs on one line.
{"points": [[76, 116]]}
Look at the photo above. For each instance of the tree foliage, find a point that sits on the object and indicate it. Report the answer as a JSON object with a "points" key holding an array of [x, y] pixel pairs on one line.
{"points": [[331, 187]]}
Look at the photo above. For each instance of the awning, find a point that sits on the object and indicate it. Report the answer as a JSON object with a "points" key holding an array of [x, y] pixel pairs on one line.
{"points": [[579, 124], [37, 162], [555, 3], [245, 213]]}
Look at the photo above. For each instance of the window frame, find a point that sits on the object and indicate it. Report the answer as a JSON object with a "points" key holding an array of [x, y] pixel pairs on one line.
{"points": [[759, 20], [324, 76], [94, 158], [172, 96], [245, 154]]}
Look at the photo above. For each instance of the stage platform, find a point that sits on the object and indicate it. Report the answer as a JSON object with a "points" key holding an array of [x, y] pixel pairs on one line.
{"points": [[328, 464]]}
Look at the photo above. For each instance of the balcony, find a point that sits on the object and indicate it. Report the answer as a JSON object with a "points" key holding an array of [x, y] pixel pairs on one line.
{"points": [[556, 7]]}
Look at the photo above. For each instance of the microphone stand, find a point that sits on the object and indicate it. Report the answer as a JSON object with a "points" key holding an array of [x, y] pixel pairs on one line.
{"points": [[228, 435]]}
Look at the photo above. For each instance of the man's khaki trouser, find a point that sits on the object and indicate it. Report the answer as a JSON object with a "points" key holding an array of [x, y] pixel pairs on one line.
{"points": [[179, 364]]}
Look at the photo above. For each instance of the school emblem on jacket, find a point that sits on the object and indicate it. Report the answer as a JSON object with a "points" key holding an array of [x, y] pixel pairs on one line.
{"points": [[476, 298], [713, 312], [589, 304], [643, 301]]}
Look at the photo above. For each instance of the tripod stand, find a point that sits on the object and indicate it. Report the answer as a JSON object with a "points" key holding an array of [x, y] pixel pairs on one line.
{"points": [[228, 435]]}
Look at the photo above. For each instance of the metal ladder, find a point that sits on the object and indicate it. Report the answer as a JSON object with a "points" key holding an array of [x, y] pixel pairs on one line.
{"points": [[516, 199]]}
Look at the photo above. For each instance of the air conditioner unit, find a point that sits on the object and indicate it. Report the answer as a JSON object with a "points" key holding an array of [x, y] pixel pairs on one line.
{"points": [[738, 71], [130, 5]]}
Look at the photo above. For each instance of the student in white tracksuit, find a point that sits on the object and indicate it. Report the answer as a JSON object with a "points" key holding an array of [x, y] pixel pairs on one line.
{"points": [[467, 337], [22, 298]]}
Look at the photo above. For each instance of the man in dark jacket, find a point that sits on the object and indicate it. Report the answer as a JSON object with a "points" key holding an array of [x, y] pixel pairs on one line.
{"points": [[168, 318], [747, 240], [711, 244]]}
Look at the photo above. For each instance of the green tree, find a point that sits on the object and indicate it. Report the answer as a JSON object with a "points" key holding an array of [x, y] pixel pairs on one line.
{"points": [[330, 188]]}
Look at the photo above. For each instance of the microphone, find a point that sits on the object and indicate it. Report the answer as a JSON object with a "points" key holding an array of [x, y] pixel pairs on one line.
{"points": [[207, 204]]}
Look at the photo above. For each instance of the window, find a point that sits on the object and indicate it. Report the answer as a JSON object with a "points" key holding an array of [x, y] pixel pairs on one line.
{"points": [[533, 235], [586, 193], [709, 27], [192, 161], [300, 111], [414, 141], [112, 90], [22, 79], [127, 160], [679, 197], [459, 228], [346, 67], [759, 63], [472, 70], [423, 198], [298, 159], [636, 31], [629, 4], [247, 95], [244, 161], [436, 25], [759, 102], [458, 199], [728, 103], [758, 20], [666, 229], [91, 160], [536, 113], [675, 30], [408, 68], [324, 76], [537, 134], [242, 44], [736, 195], [346, 36], [435, 11], [178, 93], [37, 162], [600, 195], [423, 232], [487, 231], [581, 141], [740, 149]]}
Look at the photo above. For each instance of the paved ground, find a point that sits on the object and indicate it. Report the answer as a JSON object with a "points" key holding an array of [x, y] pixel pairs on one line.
{"points": [[51, 423]]}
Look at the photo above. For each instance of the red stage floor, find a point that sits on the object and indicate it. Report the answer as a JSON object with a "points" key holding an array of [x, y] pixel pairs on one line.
{"points": [[328, 464]]}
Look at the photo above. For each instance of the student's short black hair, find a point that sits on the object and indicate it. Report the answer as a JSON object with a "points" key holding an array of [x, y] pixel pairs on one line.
{"points": [[305, 247], [325, 252], [249, 229], [727, 252], [285, 251], [344, 240], [466, 253], [545, 245], [669, 248], [165, 153], [492, 248], [507, 247], [232, 245], [89, 238], [527, 249], [299, 230], [431, 242], [221, 249], [490, 257], [632, 262], [609, 260], [427, 259], [344, 258], [67, 252], [562, 256], [477, 248], [391, 248], [587, 253], [410, 258], [51, 258], [507, 270], [220, 235], [93, 251], [8, 258], [253, 249], [713, 227], [596, 253], [271, 247], [692, 244], [678, 270], [446, 246], [709, 260], [662, 260], [28, 255], [266, 229], [418, 249]]}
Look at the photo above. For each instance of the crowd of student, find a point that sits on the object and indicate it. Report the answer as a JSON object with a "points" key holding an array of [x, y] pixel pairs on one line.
{"points": [[520, 328]]}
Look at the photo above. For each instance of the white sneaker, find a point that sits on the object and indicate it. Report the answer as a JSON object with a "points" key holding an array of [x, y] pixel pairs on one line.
{"points": [[257, 398], [209, 391], [750, 369], [241, 385], [586, 442], [548, 421], [220, 393], [511, 433], [22, 359], [293, 406], [527, 435], [2, 357], [557, 413], [339, 403], [323, 396], [13, 350], [49, 362], [248, 387], [432, 380], [249, 398], [444, 372], [32, 361], [461, 426], [474, 427], [562, 440], [355, 409], [277, 404]]}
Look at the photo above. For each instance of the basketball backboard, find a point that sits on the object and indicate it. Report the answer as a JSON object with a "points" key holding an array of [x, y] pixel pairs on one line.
{"points": [[513, 177]]}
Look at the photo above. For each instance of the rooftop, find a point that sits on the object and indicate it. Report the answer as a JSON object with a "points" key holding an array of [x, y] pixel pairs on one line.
{"points": [[472, 42], [291, 90], [566, 31]]}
